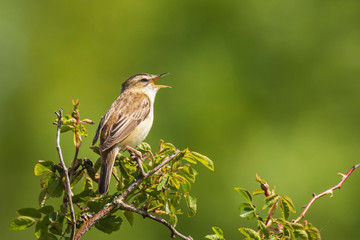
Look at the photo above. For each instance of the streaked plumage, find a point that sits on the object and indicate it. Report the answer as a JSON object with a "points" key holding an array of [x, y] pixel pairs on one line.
{"points": [[127, 122]]}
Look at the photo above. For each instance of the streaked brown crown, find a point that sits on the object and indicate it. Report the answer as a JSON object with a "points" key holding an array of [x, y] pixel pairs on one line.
{"points": [[139, 80]]}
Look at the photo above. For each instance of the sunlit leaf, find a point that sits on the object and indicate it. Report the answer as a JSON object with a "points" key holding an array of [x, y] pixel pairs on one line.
{"points": [[20, 223], [42, 167], [247, 211], [250, 233], [207, 162], [191, 204], [245, 194], [263, 228]]}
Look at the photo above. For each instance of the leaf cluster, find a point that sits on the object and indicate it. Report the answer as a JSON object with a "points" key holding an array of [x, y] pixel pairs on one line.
{"points": [[166, 193], [271, 225]]}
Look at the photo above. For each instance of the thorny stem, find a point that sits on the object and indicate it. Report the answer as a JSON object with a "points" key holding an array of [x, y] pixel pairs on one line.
{"points": [[67, 179], [329, 191], [118, 202]]}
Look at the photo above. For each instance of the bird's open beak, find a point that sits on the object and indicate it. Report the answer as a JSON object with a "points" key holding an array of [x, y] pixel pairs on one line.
{"points": [[157, 77]]}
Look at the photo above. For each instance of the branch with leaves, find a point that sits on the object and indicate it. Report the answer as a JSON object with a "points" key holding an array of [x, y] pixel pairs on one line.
{"points": [[156, 195], [280, 228]]}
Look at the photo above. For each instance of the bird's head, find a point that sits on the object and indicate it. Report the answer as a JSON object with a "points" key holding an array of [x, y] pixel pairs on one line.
{"points": [[143, 82]]}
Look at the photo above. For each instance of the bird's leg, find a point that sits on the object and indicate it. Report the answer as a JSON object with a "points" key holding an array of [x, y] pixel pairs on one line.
{"points": [[138, 158]]}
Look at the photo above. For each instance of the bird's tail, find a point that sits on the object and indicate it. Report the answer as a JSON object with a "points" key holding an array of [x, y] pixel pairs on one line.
{"points": [[107, 163]]}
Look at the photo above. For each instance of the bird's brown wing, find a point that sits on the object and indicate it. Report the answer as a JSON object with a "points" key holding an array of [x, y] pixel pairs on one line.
{"points": [[126, 113]]}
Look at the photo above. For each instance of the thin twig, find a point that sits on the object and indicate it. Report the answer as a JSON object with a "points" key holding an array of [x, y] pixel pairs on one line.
{"points": [[329, 191], [119, 202], [67, 180], [145, 214]]}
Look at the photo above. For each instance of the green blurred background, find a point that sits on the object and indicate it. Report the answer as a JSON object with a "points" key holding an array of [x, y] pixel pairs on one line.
{"points": [[267, 87]]}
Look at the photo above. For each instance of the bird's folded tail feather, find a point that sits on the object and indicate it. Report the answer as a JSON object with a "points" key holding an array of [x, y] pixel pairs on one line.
{"points": [[107, 163]]}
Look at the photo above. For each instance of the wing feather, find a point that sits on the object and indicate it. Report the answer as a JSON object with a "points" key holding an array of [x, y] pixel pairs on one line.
{"points": [[126, 113]]}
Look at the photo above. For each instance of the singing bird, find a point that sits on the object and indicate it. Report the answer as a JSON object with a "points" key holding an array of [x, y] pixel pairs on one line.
{"points": [[127, 122]]}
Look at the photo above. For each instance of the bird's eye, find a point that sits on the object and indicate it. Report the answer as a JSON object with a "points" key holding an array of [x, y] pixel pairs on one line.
{"points": [[144, 80]]}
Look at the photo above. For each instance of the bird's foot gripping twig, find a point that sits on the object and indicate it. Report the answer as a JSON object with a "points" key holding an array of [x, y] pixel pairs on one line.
{"points": [[138, 158]]}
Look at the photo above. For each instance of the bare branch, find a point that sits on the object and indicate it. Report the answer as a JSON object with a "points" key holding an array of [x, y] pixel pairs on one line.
{"points": [[329, 191], [119, 202], [67, 180]]}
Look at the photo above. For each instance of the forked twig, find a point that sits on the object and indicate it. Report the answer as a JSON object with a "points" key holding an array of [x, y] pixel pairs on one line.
{"points": [[329, 191], [67, 179]]}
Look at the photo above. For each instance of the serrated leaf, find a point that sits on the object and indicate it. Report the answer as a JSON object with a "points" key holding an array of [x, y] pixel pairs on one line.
{"points": [[313, 232], [289, 202], [30, 212], [270, 200], [42, 167], [191, 204], [204, 160], [285, 210], [247, 211], [245, 194], [181, 155], [162, 182], [213, 237], [20, 223], [218, 232], [264, 229], [144, 147], [249, 233]]}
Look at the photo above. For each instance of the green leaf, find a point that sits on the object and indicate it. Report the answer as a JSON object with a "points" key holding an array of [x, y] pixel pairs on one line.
{"points": [[285, 208], [191, 204], [20, 223], [41, 227], [42, 167], [249, 233], [257, 192], [46, 209], [181, 155], [109, 224], [173, 220], [48, 236], [203, 159], [65, 128], [144, 147], [162, 182], [264, 229], [30, 212], [56, 188], [289, 203], [77, 178], [218, 232], [247, 211], [270, 201], [129, 217], [313, 232], [213, 237], [245, 194]]}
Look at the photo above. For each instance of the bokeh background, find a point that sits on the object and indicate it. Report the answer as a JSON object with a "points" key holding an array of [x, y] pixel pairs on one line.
{"points": [[267, 87]]}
